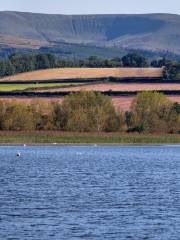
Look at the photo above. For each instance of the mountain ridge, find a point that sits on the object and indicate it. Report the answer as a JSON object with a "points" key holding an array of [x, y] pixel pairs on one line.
{"points": [[154, 32]]}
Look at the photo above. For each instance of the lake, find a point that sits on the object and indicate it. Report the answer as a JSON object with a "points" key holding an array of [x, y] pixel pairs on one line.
{"points": [[90, 192]]}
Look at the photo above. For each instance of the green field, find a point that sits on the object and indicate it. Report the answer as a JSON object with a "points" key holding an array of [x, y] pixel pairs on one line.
{"points": [[21, 87], [49, 137]]}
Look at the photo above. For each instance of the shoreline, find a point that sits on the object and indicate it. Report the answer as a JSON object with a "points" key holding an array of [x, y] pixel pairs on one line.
{"points": [[87, 144], [74, 138]]}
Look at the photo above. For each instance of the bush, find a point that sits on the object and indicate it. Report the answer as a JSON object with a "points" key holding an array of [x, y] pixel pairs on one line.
{"points": [[89, 111], [18, 117], [152, 112]]}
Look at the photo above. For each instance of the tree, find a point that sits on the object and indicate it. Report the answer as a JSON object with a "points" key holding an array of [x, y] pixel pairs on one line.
{"points": [[134, 60], [162, 62], [171, 68], [123, 126], [89, 111], [42, 61], [115, 62], [152, 112], [22, 62], [42, 115], [172, 71], [2, 68], [18, 117], [3, 108], [59, 117], [6, 68], [176, 107]]}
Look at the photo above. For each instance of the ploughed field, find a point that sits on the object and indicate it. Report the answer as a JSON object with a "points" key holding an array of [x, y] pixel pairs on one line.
{"points": [[124, 102], [102, 87]]}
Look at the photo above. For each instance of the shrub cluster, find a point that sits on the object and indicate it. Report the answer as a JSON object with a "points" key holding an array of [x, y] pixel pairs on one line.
{"points": [[151, 112]]}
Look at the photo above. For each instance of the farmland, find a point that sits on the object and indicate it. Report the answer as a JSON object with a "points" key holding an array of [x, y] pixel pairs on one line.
{"points": [[86, 73], [66, 80], [86, 86], [101, 87]]}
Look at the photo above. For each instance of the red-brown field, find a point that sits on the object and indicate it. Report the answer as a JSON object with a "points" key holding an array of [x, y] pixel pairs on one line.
{"points": [[118, 87], [122, 103]]}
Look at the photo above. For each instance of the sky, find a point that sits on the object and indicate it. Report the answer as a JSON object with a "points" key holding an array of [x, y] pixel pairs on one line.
{"points": [[92, 6]]}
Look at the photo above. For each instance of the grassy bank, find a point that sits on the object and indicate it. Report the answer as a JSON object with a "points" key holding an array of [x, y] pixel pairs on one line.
{"points": [[48, 137]]}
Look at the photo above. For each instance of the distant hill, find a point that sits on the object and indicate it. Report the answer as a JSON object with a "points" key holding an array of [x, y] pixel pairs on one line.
{"points": [[148, 32]]}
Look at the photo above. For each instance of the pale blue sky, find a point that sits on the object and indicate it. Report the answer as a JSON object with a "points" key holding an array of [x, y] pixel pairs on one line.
{"points": [[92, 6]]}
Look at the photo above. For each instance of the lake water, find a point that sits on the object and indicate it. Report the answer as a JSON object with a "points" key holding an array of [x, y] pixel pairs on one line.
{"points": [[90, 192]]}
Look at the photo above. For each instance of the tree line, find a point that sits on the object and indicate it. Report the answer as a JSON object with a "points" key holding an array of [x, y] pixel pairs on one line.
{"points": [[19, 63], [151, 112]]}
